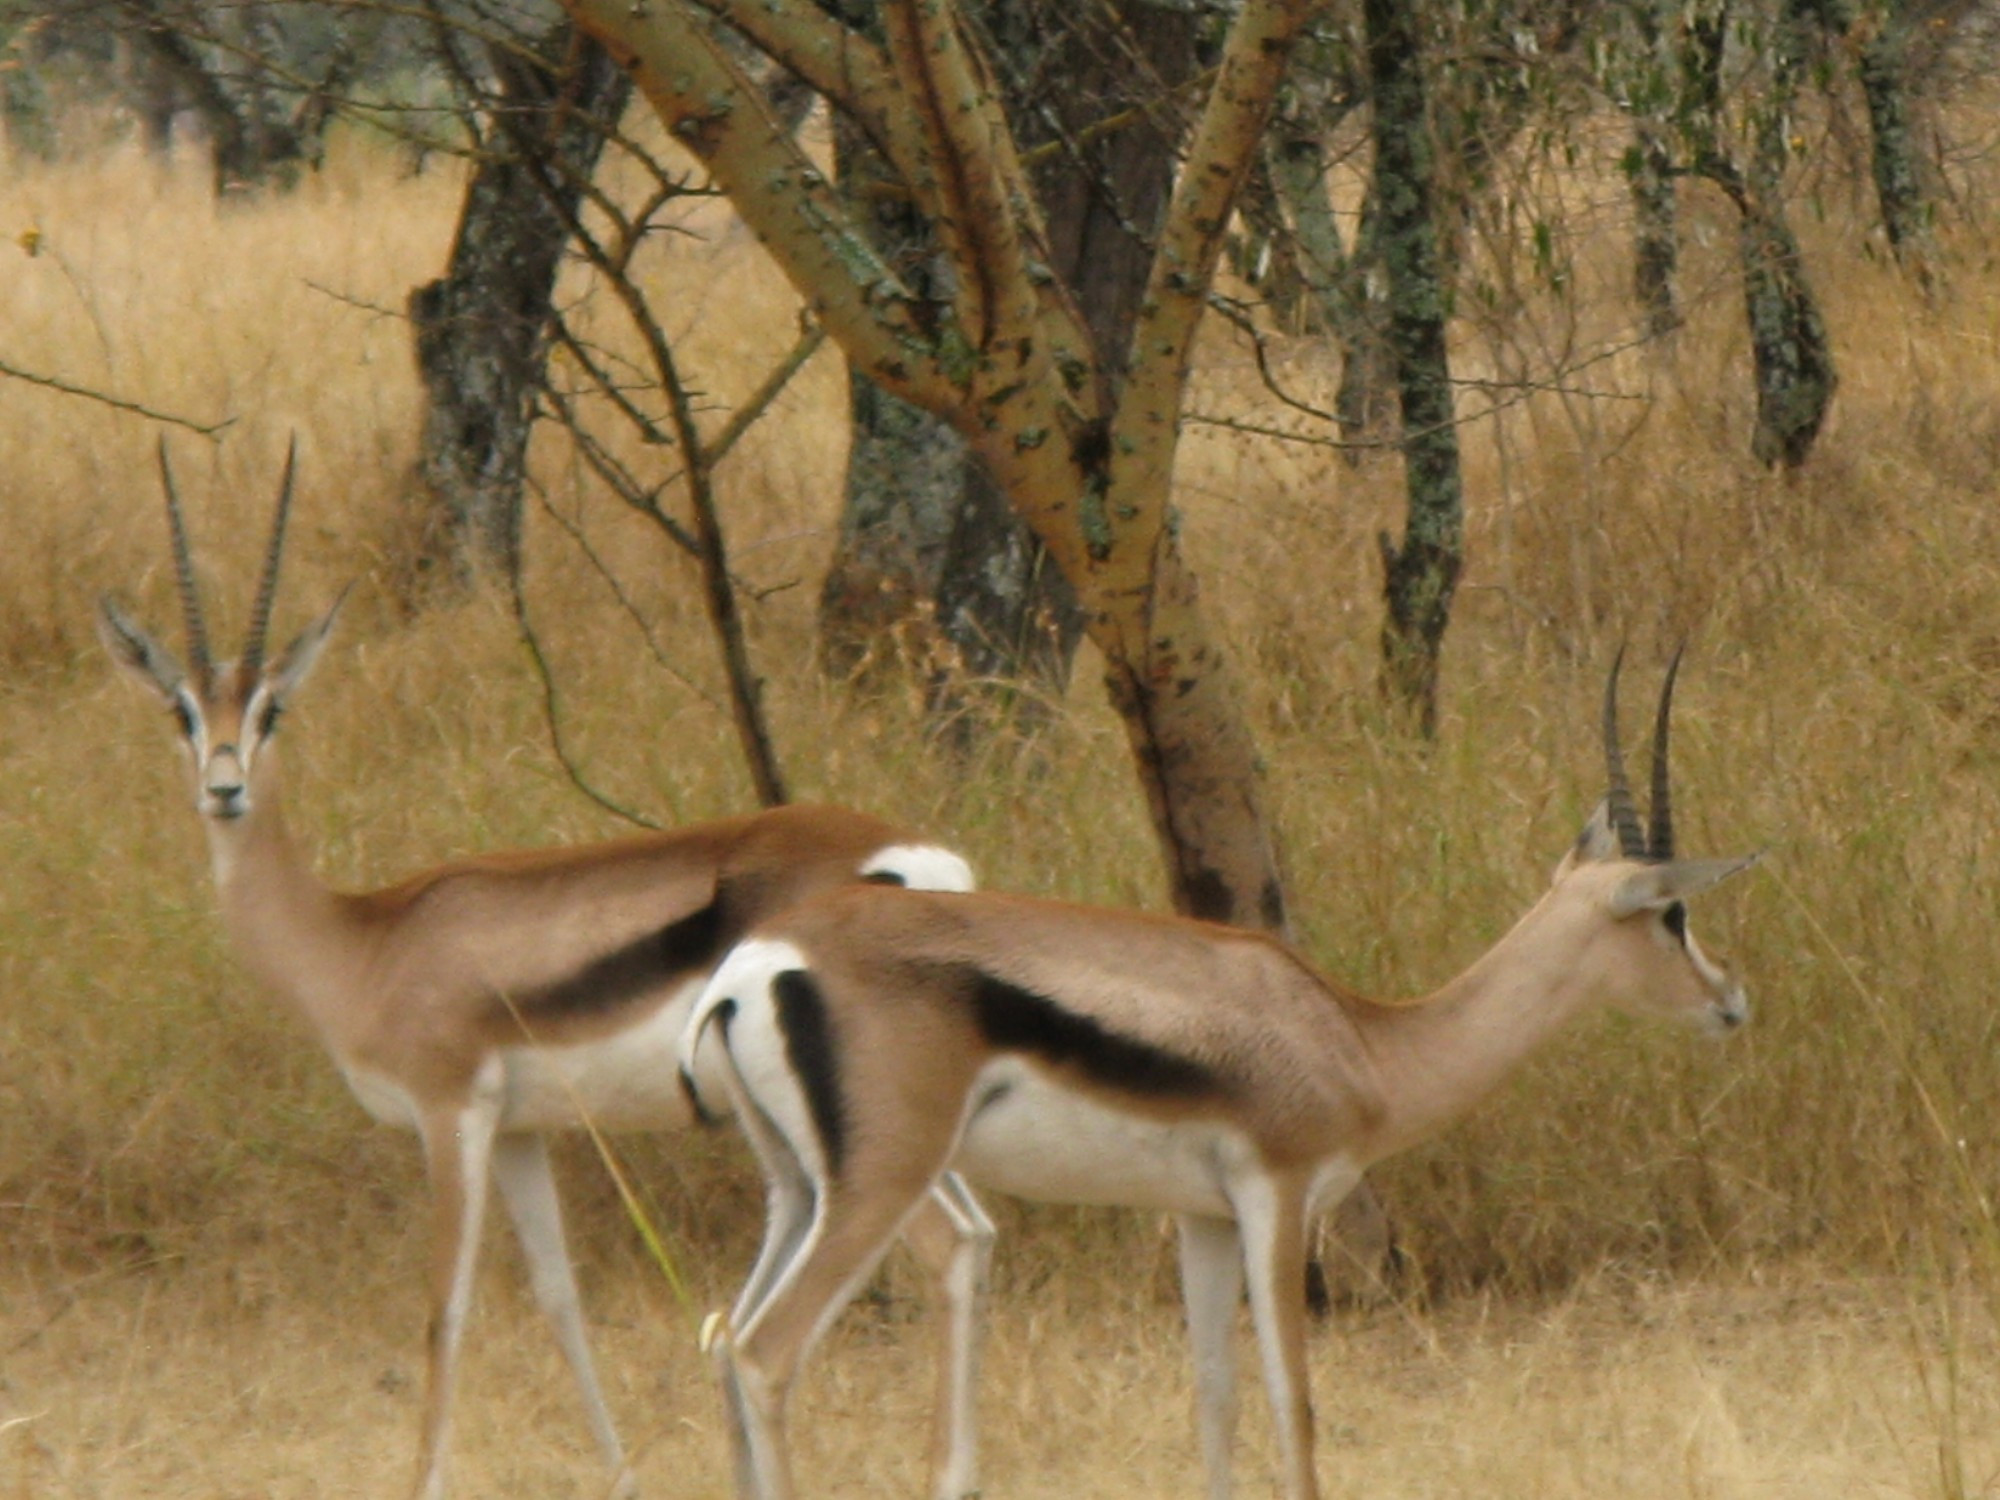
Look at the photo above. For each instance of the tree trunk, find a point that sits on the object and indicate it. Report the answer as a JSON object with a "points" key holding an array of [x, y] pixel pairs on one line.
{"points": [[1421, 572], [481, 328], [905, 467], [905, 479], [1656, 240], [1005, 615], [1899, 185], [1789, 348], [1649, 174], [1009, 360]]}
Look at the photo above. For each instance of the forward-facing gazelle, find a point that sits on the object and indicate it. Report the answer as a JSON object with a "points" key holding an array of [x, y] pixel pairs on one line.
{"points": [[494, 998], [876, 1039]]}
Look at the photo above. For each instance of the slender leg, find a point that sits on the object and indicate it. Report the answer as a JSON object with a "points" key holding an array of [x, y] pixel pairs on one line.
{"points": [[951, 1235], [1272, 1216], [758, 1358], [458, 1150], [528, 1188], [1211, 1284]]}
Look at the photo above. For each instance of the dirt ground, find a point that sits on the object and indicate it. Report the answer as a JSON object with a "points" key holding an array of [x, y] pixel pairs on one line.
{"points": [[241, 1383]]}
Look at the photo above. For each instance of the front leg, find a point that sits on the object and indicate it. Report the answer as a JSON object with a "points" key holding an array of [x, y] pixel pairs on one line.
{"points": [[1211, 1287], [951, 1235], [528, 1188], [458, 1152], [1271, 1215]]}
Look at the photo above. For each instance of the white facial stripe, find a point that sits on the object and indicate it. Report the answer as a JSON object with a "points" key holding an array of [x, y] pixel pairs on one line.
{"points": [[921, 867]]}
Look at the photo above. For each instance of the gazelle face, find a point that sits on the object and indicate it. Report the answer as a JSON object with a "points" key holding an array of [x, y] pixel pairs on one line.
{"points": [[1647, 958], [226, 712], [224, 724], [1656, 966]]}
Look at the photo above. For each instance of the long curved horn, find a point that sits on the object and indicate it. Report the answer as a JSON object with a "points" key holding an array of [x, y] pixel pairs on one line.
{"points": [[267, 587], [199, 661], [1618, 795], [1660, 830]]}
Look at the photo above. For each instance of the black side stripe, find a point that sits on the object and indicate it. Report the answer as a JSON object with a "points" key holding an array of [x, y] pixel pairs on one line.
{"points": [[884, 877], [681, 949], [815, 1057], [1020, 1020]]}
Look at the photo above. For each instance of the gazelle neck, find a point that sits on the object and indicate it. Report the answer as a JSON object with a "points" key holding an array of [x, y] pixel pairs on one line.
{"points": [[1439, 1057], [279, 914]]}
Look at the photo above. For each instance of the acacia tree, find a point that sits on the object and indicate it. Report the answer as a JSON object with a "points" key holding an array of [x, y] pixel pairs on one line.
{"points": [[1007, 358], [540, 107]]}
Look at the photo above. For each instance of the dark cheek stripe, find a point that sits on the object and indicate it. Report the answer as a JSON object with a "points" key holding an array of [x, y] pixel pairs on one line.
{"points": [[815, 1058], [1020, 1020]]}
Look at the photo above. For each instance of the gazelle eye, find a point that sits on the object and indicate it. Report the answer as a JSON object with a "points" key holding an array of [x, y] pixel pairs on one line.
{"points": [[183, 716], [267, 717], [1675, 920]]}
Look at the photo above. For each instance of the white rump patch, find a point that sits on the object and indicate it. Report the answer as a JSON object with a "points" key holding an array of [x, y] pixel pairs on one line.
{"points": [[921, 867]]}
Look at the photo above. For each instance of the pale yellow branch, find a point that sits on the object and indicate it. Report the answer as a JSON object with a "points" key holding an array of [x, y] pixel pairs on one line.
{"points": [[1253, 65], [947, 181], [846, 67], [719, 115]]}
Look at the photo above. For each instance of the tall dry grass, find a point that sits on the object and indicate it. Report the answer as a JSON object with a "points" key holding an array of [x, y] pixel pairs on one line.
{"points": [[1840, 710]]}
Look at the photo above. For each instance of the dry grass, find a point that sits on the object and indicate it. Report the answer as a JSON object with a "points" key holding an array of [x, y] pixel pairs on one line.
{"points": [[1638, 1389], [179, 1171]]}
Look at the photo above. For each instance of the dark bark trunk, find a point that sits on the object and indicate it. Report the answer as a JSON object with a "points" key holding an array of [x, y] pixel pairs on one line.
{"points": [[905, 477], [905, 472], [1899, 184], [1656, 240], [1338, 283], [1003, 614], [1421, 572], [1789, 349], [1649, 174], [481, 328]]}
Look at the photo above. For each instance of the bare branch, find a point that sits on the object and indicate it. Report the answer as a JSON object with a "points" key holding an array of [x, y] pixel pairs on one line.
{"points": [[552, 717], [811, 336], [116, 403]]}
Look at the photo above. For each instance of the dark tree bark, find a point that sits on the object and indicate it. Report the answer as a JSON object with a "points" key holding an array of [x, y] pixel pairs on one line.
{"points": [[235, 69], [1655, 235], [1899, 184], [482, 327], [1421, 571], [1004, 614], [1349, 309], [1649, 173], [1879, 34], [909, 476], [1791, 357]]}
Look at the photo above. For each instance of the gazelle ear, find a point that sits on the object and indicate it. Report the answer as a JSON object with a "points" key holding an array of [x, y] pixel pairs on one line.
{"points": [[297, 659], [1659, 886], [136, 651], [1599, 840]]}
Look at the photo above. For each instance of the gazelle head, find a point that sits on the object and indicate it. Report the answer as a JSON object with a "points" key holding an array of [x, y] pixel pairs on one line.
{"points": [[226, 711], [1649, 960]]}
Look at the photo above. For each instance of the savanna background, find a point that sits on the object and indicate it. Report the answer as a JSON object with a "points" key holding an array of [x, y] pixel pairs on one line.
{"points": [[1653, 1266]]}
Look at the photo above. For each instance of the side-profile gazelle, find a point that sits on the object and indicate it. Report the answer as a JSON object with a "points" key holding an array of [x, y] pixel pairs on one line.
{"points": [[874, 1040], [494, 998]]}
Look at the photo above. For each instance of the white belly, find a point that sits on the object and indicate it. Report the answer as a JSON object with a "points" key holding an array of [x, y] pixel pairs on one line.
{"points": [[629, 1081], [1044, 1143]]}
